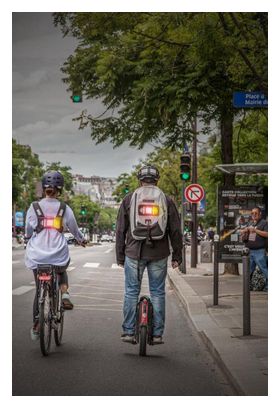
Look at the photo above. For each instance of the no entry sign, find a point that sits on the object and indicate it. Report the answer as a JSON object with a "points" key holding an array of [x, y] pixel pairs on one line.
{"points": [[194, 193]]}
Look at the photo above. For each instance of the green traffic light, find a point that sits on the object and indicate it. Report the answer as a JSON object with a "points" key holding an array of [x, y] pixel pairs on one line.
{"points": [[77, 98], [185, 176]]}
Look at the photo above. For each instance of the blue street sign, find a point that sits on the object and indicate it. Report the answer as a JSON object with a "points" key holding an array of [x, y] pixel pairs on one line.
{"points": [[19, 219], [250, 100]]}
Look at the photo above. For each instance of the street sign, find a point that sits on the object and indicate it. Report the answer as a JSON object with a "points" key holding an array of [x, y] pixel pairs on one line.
{"points": [[194, 193], [19, 219], [250, 100]]}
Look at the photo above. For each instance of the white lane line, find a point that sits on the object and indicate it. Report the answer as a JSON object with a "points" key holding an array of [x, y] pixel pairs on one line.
{"points": [[91, 265], [22, 289], [14, 262], [116, 266], [97, 309], [82, 295], [70, 268], [95, 273], [108, 250]]}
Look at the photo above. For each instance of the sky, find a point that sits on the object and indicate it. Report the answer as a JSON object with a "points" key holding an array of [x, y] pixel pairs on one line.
{"points": [[43, 110]]}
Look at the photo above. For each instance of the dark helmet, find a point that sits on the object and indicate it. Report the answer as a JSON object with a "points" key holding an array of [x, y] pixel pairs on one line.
{"points": [[53, 179], [148, 173]]}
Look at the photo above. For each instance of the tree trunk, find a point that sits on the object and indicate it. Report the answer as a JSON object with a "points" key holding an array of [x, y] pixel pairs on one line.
{"points": [[227, 158]]}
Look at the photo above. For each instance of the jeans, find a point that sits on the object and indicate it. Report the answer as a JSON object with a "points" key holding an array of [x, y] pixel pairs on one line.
{"points": [[157, 271], [258, 257]]}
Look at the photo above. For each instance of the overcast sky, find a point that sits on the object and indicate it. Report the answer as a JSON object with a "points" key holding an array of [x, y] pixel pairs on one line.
{"points": [[43, 110]]}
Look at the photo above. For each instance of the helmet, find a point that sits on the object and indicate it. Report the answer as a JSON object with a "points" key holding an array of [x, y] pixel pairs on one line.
{"points": [[148, 173], [53, 179]]}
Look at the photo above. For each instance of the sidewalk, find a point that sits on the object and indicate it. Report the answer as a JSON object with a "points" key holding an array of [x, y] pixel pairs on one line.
{"points": [[242, 358]]}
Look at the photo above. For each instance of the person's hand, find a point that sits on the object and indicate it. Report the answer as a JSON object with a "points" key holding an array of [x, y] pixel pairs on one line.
{"points": [[174, 264], [251, 229]]}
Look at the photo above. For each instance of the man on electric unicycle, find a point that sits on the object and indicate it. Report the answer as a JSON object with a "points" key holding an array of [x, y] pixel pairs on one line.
{"points": [[147, 219]]}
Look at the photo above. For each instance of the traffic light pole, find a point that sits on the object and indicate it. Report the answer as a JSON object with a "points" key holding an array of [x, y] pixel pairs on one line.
{"points": [[194, 206], [183, 267]]}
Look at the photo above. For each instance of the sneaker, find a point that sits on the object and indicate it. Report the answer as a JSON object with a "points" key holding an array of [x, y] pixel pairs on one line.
{"points": [[67, 304], [34, 332], [128, 338], [157, 340]]}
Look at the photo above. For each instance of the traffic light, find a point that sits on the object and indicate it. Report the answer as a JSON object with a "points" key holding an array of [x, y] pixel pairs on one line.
{"points": [[77, 96], [83, 210], [126, 189], [185, 167]]}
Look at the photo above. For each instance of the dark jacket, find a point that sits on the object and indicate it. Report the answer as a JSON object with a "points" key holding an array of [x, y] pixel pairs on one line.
{"points": [[126, 245]]}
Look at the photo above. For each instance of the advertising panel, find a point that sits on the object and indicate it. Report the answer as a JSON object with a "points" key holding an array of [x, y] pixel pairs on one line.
{"points": [[234, 209]]}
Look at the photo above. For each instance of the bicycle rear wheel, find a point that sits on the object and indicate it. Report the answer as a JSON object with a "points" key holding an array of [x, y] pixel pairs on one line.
{"points": [[143, 340], [45, 322], [58, 332]]}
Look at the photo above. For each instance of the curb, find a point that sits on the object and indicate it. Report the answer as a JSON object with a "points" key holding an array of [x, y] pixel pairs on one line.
{"points": [[237, 361]]}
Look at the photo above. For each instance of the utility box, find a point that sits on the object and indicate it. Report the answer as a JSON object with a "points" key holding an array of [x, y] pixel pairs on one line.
{"points": [[205, 251]]}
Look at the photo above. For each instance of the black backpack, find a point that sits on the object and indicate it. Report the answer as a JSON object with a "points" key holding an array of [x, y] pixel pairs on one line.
{"points": [[42, 220]]}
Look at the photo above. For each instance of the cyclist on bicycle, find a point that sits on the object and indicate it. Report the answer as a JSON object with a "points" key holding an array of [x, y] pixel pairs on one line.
{"points": [[45, 222], [135, 254]]}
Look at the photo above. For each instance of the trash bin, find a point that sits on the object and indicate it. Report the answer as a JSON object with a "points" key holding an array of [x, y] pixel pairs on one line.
{"points": [[205, 251]]}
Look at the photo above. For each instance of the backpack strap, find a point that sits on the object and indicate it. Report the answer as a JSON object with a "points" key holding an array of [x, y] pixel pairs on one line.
{"points": [[60, 213], [40, 217]]}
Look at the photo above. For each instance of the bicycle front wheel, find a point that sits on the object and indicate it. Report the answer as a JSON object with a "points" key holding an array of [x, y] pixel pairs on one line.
{"points": [[45, 322], [58, 331]]}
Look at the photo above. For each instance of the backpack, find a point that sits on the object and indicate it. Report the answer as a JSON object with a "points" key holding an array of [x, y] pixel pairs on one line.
{"points": [[148, 214], [49, 222], [257, 280]]}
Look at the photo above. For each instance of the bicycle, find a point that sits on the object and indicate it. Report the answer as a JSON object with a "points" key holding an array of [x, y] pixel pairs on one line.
{"points": [[144, 324], [51, 311]]}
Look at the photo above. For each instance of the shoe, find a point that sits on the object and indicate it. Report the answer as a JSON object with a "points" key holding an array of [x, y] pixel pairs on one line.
{"points": [[66, 302], [128, 338], [157, 340], [34, 332]]}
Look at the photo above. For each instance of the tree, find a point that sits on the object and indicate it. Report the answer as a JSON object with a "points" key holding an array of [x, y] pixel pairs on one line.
{"points": [[26, 171]]}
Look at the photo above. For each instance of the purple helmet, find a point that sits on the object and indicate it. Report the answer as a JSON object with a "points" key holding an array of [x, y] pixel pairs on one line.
{"points": [[53, 179]]}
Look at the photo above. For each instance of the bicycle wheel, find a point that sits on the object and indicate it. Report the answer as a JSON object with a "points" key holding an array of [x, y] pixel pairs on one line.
{"points": [[45, 322], [58, 332], [143, 340]]}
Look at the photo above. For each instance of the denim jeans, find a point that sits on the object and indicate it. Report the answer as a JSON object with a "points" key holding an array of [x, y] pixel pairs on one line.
{"points": [[258, 257], [157, 271]]}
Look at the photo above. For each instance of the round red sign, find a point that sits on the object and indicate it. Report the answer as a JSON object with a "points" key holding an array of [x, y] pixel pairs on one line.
{"points": [[194, 193]]}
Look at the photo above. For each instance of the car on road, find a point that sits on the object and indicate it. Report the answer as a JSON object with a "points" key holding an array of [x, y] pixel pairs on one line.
{"points": [[70, 238], [106, 238]]}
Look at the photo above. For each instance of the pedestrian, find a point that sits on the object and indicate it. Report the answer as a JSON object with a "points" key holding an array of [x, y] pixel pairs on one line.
{"points": [[211, 234], [45, 221], [147, 219], [255, 237]]}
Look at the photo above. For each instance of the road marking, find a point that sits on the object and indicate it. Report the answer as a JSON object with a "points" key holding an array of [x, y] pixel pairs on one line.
{"points": [[22, 289], [108, 250], [82, 295], [70, 268], [97, 309], [116, 266], [91, 265], [16, 262]]}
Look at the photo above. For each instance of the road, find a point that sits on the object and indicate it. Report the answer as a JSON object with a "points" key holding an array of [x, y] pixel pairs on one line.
{"points": [[92, 359]]}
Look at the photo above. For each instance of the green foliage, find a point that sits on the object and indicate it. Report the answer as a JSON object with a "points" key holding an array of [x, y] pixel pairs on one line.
{"points": [[26, 171], [155, 71]]}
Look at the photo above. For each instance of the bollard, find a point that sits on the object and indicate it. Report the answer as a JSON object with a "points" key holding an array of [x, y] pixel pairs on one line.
{"points": [[246, 293], [216, 271]]}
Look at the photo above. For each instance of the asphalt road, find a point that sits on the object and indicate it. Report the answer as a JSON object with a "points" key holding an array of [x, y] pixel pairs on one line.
{"points": [[92, 359]]}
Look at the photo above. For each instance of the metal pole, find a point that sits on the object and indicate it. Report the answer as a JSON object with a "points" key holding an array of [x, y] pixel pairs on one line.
{"points": [[183, 267], [216, 271], [194, 206], [246, 293]]}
